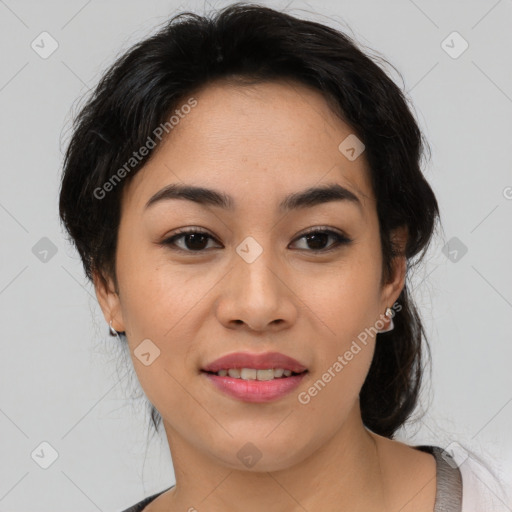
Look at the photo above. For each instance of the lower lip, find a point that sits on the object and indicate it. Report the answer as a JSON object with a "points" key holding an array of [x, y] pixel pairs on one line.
{"points": [[255, 390]]}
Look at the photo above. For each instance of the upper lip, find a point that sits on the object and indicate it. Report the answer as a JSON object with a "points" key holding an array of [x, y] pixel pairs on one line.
{"points": [[257, 361]]}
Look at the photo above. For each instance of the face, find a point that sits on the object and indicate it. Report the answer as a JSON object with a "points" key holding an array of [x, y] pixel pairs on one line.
{"points": [[251, 279]]}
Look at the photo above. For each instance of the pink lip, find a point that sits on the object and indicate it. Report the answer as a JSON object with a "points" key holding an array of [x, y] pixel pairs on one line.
{"points": [[255, 390], [256, 361]]}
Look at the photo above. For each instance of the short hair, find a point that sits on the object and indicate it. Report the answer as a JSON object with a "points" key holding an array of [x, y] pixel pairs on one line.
{"points": [[249, 43]]}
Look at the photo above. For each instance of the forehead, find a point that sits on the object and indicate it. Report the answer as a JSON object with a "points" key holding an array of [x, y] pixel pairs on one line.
{"points": [[264, 140]]}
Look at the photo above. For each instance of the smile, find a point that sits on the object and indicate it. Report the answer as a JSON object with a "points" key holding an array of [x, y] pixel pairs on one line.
{"points": [[254, 374]]}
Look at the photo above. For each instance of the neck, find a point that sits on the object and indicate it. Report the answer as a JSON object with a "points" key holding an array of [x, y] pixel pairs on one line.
{"points": [[343, 474]]}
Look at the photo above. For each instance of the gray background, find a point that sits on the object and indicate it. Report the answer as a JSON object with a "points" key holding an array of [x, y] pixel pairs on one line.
{"points": [[63, 380]]}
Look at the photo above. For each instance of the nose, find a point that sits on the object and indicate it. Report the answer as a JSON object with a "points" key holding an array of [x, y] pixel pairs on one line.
{"points": [[257, 294]]}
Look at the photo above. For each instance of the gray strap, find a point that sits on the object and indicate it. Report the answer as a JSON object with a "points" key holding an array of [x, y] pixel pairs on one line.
{"points": [[449, 482]]}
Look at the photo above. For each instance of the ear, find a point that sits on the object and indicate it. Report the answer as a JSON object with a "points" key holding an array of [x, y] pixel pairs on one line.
{"points": [[108, 299], [392, 289]]}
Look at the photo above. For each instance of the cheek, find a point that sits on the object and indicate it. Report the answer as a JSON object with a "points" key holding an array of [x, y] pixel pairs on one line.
{"points": [[160, 302], [345, 304], [157, 309], [154, 294], [346, 299], [345, 344]]}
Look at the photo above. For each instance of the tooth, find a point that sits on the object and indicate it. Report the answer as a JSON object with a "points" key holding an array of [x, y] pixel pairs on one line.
{"points": [[265, 374], [248, 373], [254, 374]]}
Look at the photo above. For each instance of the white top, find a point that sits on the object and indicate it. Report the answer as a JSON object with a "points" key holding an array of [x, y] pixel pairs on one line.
{"points": [[485, 487], [481, 490]]}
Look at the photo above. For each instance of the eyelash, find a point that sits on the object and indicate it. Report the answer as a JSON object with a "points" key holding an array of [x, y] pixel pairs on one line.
{"points": [[340, 240]]}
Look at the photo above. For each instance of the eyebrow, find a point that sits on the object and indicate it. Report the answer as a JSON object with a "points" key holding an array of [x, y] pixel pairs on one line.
{"points": [[297, 200]]}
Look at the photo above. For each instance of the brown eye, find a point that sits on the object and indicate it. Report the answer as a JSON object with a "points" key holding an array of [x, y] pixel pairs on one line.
{"points": [[317, 239], [192, 241]]}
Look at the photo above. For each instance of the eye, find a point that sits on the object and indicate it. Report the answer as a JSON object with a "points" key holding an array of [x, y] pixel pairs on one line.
{"points": [[318, 238], [194, 240]]}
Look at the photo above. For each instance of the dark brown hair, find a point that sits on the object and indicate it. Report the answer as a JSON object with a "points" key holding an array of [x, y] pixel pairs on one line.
{"points": [[248, 42]]}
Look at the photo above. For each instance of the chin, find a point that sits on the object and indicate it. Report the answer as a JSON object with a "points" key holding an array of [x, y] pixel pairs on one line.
{"points": [[261, 455], [265, 464]]}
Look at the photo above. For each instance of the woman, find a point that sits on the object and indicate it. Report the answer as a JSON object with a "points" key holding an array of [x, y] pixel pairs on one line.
{"points": [[245, 193]]}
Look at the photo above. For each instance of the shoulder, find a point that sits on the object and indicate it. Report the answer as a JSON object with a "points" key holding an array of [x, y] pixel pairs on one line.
{"points": [[485, 486], [410, 474]]}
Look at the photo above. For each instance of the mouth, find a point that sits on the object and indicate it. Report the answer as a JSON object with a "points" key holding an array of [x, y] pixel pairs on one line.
{"points": [[259, 378]]}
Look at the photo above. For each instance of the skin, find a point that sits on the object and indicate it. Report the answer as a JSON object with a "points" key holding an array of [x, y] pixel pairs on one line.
{"points": [[259, 143]]}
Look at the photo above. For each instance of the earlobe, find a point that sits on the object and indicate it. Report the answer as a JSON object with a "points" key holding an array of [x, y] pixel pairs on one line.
{"points": [[389, 313], [108, 300]]}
